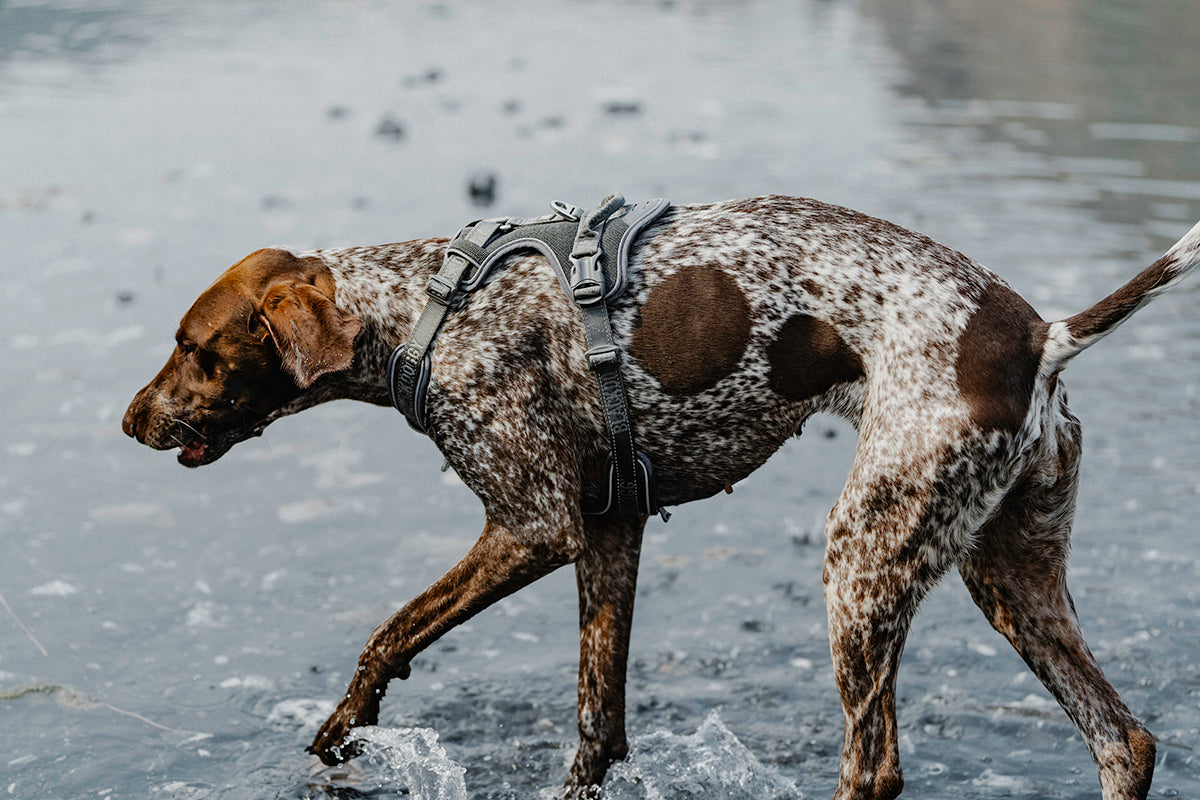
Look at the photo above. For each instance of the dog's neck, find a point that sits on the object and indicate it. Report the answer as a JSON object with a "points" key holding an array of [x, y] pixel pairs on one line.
{"points": [[384, 287]]}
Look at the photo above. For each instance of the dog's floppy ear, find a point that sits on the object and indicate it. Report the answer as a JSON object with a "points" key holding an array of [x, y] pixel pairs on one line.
{"points": [[313, 336]]}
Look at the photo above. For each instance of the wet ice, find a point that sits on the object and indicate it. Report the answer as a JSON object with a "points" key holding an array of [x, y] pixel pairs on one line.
{"points": [[232, 601]]}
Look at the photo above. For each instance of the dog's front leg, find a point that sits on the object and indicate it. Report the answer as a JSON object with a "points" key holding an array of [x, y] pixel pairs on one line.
{"points": [[606, 573], [497, 565]]}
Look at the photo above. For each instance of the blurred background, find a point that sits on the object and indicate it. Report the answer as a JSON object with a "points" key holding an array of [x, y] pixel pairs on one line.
{"points": [[172, 633]]}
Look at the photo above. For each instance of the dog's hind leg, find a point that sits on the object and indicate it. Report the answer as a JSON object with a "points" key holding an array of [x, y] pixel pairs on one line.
{"points": [[606, 573], [870, 604], [915, 492], [1017, 576], [875, 576]]}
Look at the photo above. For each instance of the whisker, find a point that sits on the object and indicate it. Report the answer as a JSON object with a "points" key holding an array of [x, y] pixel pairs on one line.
{"points": [[184, 424]]}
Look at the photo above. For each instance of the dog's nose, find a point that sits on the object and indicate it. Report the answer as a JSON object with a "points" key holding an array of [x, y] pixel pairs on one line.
{"points": [[129, 423]]}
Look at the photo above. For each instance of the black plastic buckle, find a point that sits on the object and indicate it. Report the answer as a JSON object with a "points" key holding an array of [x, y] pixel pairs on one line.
{"points": [[647, 498]]}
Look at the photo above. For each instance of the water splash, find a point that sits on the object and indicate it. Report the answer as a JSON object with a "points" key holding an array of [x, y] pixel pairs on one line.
{"points": [[661, 765], [712, 762], [400, 759]]}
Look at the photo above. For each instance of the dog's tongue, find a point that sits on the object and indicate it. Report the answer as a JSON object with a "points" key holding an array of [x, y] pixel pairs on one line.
{"points": [[192, 452]]}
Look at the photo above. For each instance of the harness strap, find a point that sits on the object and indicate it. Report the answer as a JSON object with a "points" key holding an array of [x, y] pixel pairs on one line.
{"points": [[594, 240], [408, 367], [604, 359]]}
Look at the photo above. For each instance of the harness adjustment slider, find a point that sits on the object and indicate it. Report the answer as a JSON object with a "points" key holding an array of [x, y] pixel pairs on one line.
{"points": [[588, 291], [603, 356], [440, 289]]}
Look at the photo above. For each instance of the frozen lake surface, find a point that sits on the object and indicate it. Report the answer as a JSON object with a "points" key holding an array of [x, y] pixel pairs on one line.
{"points": [[180, 634]]}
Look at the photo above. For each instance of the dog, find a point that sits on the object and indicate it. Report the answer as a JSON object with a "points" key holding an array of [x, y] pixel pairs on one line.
{"points": [[741, 320]]}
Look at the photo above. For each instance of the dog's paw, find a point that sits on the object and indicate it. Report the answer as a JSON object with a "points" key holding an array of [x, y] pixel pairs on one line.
{"points": [[333, 754], [330, 743], [359, 707]]}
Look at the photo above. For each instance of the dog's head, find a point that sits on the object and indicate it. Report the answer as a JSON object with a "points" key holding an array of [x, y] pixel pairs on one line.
{"points": [[247, 352]]}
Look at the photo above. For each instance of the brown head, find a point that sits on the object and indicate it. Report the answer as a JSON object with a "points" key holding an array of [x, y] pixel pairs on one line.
{"points": [[249, 349]]}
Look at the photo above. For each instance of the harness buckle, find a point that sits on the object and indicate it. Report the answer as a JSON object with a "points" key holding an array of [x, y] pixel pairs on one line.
{"points": [[440, 289], [603, 356]]}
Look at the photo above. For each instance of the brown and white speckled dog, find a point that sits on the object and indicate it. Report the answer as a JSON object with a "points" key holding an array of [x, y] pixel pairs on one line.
{"points": [[741, 320]]}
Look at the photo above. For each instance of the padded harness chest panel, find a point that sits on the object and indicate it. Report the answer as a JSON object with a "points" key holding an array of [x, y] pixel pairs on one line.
{"points": [[555, 239]]}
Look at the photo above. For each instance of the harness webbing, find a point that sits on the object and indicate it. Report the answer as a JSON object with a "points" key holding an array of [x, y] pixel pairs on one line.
{"points": [[596, 274], [604, 358], [408, 366]]}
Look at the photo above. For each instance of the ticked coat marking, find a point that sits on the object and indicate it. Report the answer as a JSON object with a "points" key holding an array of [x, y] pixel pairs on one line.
{"points": [[741, 320]]}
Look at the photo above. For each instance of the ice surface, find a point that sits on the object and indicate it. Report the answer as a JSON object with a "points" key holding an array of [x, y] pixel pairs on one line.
{"points": [[161, 141], [305, 510], [301, 712], [55, 588], [710, 763]]}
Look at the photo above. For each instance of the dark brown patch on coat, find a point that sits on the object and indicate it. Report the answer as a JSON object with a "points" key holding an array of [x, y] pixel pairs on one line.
{"points": [[809, 357], [693, 330], [998, 357]]}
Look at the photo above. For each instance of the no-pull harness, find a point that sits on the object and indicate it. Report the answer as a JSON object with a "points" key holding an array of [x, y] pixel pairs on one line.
{"points": [[589, 253]]}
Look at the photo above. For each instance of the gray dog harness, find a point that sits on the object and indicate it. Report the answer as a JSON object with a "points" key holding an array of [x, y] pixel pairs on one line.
{"points": [[590, 254]]}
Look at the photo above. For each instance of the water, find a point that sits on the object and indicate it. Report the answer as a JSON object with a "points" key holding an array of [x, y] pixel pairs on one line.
{"points": [[398, 759], [712, 762], [171, 633]]}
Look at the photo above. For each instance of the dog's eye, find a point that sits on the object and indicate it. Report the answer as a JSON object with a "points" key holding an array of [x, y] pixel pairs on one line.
{"points": [[206, 359]]}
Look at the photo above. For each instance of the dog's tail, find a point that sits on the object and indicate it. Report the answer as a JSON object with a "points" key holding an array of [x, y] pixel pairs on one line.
{"points": [[1067, 338]]}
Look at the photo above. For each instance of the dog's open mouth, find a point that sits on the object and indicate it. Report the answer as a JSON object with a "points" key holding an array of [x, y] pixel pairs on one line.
{"points": [[194, 453], [206, 447]]}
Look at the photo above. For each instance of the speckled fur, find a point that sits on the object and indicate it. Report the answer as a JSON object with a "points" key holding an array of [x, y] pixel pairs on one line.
{"points": [[967, 453]]}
